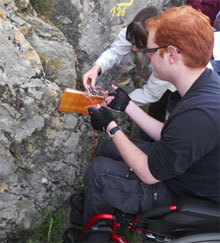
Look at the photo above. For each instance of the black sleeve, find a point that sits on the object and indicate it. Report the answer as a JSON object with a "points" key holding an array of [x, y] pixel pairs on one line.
{"points": [[186, 139]]}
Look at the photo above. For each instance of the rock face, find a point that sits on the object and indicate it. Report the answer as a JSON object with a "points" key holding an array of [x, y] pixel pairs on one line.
{"points": [[43, 151], [38, 145], [92, 25]]}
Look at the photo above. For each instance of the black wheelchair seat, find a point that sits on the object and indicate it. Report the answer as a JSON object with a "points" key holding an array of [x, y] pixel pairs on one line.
{"points": [[190, 216]]}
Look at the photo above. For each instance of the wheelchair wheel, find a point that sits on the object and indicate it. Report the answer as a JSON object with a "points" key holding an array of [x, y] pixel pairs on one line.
{"points": [[70, 235], [199, 238]]}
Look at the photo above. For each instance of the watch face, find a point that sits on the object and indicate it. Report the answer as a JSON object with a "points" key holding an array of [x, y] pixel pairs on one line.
{"points": [[112, 131], [110, 135]]}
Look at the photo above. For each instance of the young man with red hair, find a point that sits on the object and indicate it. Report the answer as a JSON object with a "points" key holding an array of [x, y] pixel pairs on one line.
{"points": [[184, 160]]}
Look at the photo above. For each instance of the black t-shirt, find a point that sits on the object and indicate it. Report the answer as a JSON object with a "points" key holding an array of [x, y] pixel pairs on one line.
{"points": [[187, 157]]}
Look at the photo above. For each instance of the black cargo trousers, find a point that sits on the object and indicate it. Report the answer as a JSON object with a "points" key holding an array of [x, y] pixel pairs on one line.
{"points": [[109, 184]]}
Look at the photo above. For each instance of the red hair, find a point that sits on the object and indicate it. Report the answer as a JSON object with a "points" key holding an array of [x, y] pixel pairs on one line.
{"points": [[187, 29]]}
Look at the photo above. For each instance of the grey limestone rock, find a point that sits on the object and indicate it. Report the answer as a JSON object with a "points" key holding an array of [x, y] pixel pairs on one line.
{"points": [[36, 63]]}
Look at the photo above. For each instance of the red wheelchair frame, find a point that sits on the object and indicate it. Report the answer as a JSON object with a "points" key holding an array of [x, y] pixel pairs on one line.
{"points": [[194, 220]]}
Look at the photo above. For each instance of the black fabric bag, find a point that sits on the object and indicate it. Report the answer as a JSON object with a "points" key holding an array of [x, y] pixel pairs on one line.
{"points": [[76, 213]]}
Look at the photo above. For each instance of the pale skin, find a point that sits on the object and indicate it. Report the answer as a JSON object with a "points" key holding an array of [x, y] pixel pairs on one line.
{"points": [[133, 156], [89, 78]]}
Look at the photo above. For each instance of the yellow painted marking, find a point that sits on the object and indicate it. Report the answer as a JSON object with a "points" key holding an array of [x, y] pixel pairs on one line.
{"points": [[126, 4]]}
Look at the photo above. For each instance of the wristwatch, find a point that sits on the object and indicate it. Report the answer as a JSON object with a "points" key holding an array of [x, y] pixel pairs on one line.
{"points": [[112, 131]]}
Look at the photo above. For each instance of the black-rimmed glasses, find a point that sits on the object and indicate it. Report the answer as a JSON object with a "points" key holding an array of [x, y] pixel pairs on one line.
{"points": [[151, 50]]}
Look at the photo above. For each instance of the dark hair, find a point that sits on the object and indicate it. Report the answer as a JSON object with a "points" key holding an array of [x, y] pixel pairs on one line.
{"points": [[217, 22], [136, 33]]}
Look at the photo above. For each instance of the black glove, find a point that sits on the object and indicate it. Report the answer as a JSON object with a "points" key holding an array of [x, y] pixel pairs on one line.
{"points": [[100, 118], [120, 101]]}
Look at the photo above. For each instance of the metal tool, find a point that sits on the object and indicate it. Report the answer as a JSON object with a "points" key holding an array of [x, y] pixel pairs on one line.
{"points": [[95, 90]]}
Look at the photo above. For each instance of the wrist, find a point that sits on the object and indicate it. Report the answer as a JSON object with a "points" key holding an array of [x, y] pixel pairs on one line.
{"points": [[96, 68], [111, 125], [113, 131], [129, 106]]}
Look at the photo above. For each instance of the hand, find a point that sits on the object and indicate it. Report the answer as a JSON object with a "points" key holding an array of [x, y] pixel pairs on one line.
{"points": [[89, 78], [100, 118], [120, 100]]}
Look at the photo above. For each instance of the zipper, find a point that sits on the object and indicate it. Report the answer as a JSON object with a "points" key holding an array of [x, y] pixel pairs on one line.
{"points": [[155, 199]]}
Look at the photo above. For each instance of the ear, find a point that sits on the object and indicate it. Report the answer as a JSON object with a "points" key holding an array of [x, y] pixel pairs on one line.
{"points": [[173, 54]]}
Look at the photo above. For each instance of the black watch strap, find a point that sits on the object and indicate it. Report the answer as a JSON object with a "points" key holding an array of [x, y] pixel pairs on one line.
{"points": [[113, 130]]}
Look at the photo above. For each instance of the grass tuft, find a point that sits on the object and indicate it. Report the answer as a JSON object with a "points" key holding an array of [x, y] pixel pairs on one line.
{"points": [[45, 6], [52, 229]]}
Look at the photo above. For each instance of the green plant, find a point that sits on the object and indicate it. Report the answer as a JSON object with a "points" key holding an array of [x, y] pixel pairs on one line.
{"points": [[79, 84], [45, 7], [146, 107], [130, 236], [53, 63], [51, 66], [59, 25], [49, 63], [52, 229]]}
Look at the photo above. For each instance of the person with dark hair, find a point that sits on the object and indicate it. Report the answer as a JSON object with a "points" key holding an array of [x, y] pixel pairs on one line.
{"points": [[184, 161], [134, 37], [211, 8], [215, 61], [207, 7], [135, 32], [217, 22]]}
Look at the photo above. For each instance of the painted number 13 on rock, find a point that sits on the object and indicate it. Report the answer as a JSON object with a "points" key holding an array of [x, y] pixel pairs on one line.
{"points": [[121, 8]]}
